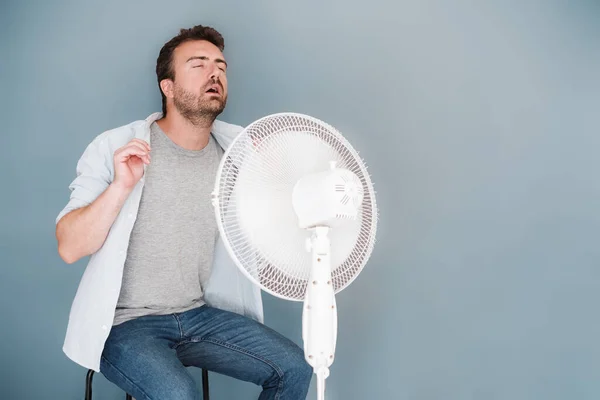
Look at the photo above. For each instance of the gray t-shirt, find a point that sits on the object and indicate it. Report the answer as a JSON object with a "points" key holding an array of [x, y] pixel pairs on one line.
{"points": [[172, 242]]}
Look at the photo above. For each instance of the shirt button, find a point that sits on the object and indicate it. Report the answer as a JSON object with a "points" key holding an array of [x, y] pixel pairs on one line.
{"points": [[130, 215], [104, 327], [121, 252]]}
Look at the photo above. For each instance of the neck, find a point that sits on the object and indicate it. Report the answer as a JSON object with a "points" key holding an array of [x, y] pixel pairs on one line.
{"points": [[185, 133]]}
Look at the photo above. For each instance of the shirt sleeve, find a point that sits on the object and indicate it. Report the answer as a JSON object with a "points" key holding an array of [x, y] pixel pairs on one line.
{"points": [[93, 175]]}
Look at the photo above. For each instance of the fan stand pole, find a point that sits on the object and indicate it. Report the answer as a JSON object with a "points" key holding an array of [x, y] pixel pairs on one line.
{"points": [[319, 316], [322, 374]]}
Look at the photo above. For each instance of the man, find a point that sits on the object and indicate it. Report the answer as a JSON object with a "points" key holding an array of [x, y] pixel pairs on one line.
{"points": [[140, 205]]}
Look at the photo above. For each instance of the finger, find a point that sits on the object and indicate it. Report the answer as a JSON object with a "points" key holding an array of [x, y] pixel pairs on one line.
{"points": [[142, 142], [132, 144], [132, 150], [145, 159], [127, 152], [129, 145], [138, 145]]}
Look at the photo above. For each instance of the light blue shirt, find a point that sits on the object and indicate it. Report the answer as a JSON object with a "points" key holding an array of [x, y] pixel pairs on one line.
{"points": [[93, 308]]}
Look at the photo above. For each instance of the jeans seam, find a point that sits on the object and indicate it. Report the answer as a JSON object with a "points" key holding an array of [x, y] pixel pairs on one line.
{"points": [[279, 388], [179, 326], [243, 351], [126, 378]]}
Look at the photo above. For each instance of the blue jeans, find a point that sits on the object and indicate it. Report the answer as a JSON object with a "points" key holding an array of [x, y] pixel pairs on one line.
{"points": [[147, 356]]}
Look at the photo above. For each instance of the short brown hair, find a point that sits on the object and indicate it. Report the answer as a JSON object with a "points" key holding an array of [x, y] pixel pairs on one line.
{"points": [[164, 68]]}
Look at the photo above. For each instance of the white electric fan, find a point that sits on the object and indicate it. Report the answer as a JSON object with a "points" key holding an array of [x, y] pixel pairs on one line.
{"points": [[296, 210]]}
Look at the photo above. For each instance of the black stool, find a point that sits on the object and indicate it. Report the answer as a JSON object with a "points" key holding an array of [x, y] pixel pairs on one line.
{"points": [[90, 375]]}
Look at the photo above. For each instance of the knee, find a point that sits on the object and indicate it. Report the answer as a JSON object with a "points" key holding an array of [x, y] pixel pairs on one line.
{"points": [[296, 369], [304, 372]]}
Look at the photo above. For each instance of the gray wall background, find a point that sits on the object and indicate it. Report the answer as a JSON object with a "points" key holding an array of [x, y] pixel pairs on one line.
{"points": [[479, 121]]}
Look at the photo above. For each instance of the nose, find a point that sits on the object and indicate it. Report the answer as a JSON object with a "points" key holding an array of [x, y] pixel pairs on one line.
{"points": [[215, 72]]}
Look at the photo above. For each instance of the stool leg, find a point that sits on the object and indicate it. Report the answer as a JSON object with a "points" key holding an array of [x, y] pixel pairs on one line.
{"points": [[88, 384], [205, 393]]}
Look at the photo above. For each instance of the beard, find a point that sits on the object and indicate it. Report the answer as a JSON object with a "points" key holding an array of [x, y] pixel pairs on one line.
{"points": [[198, 109]]}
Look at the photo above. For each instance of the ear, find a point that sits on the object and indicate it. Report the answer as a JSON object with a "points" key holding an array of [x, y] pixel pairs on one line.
{"points": [[166, 85]]}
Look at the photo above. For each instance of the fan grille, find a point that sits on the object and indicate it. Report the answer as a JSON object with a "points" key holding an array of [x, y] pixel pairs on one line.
{"points": [[254, 206]]}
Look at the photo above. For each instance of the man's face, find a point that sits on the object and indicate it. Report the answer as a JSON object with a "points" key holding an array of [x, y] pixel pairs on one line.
{"points": [[200, 85]]}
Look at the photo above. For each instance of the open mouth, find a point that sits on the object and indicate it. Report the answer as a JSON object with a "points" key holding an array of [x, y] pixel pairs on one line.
{"points": [[213, 89]]}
